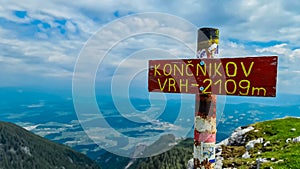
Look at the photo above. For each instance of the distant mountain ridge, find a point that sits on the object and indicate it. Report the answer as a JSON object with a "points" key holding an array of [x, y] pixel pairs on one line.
{"points": [[21, 149]]}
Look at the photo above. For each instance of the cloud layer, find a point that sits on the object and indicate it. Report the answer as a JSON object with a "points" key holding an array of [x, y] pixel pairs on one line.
{"points": [[41, 40]]}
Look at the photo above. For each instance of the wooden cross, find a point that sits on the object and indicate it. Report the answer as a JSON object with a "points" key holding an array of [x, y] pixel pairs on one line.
{"points": [[207, 77]]}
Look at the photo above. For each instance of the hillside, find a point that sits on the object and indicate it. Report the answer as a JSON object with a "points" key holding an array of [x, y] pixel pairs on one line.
{"points": [[182, 151], [20, 149], [176, 158], [273, 142]]}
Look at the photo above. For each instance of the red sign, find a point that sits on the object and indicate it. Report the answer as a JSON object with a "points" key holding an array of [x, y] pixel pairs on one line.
{"points": [[249, 76]]}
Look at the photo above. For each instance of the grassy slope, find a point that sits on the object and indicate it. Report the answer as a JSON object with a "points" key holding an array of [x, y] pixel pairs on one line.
{"points": [[275, 131]]}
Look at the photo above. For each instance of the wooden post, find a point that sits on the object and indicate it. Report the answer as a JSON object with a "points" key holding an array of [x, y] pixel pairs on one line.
{"points": [[249, 76], [205, 113]]}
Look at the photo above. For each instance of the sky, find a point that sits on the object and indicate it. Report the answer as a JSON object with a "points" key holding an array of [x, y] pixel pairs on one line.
{"points": [[40, 41], [104, 46]]}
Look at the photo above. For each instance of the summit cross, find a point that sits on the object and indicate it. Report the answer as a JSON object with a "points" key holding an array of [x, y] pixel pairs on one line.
{"points": [[207, 76]]}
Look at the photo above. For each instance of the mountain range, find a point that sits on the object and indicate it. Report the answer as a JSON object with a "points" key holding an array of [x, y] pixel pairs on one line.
{"points": [[273, 143]]}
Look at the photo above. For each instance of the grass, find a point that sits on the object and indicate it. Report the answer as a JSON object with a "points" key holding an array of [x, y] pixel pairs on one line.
{"points": [[275, 131]]}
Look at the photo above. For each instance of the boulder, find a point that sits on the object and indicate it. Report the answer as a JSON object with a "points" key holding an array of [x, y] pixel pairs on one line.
{"points": [[252, 143], [237, 138], [246, 155], [190, 164], [296, 140], [267, 143]]}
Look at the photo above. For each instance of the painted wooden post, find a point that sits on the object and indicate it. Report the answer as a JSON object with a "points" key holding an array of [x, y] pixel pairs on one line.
{"points": [[207, 77], [205, 108]]}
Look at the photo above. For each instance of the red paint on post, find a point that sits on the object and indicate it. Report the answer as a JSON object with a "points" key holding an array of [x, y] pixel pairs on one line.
{"points": [[204, 137]]}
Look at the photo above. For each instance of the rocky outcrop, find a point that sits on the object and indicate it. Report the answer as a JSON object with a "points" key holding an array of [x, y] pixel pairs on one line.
{"points": [[237, 137], [250, 145], [255, 146]]}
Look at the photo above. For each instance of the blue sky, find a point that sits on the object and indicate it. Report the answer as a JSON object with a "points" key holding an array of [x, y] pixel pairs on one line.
{"points": [[41, 40]]}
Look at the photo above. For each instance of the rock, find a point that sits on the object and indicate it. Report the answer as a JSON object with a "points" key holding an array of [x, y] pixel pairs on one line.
{"points": [[246, 155], [296, 140], [262, 160], [224, 142], [219, 162], [219, 153], [293, 129], [279, 161], [243, 127], [267, 144], [190, 164], [237, 138], [218, 149], [252, 143]]}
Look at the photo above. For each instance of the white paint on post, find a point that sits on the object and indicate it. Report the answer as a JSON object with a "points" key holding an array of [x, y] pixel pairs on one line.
{"points": [[205, 109]]}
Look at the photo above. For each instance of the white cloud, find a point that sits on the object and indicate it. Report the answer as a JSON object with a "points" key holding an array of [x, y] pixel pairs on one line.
{"points": [[245, 21], [60, 59], [285, 52], [71, 27], [295, 55], [233, 49], [288, 72], [280, 49]]}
